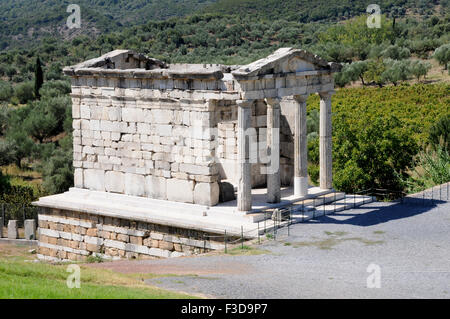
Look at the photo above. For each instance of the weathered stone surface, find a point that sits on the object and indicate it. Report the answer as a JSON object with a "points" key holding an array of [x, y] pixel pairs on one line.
{"points": [[30, 229], [206, 194], [94, 179], [134, 184], [115, 182], [13, 231], [180, 190], [155, 187]]}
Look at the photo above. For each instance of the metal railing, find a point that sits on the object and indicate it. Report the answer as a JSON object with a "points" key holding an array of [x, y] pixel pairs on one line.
{"points": [[436, 193]]}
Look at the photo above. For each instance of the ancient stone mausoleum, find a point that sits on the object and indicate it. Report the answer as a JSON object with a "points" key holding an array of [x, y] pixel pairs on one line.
{"points": [[159, 143]]}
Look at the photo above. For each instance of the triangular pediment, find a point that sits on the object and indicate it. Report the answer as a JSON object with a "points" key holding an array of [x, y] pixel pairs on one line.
{"points": [[285, 60]]}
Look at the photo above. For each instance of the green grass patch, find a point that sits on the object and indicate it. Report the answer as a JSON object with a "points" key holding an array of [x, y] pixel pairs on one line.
{"points": [[21, 277], [246, 250], [331, 242], [337, 233]]}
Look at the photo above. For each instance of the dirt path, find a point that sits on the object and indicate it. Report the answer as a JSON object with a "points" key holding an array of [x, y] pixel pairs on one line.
{"points": [[178, 266]]}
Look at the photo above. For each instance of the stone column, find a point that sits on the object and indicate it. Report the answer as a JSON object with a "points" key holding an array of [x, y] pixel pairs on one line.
{"points": [[273, 146], [325, 146], [244, 198], [300, 147]]}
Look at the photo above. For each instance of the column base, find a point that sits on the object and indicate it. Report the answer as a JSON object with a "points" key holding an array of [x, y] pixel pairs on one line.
{"points": [[300, 186]]}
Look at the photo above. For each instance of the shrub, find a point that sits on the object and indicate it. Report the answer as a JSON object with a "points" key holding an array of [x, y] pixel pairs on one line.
{"points": [[440, 133], [58, 172], [377, 154], [55, 88], [4, 118], [395, 52], [18, 194], [24, 92], [6, 91], [4, 184], [432, 168]]}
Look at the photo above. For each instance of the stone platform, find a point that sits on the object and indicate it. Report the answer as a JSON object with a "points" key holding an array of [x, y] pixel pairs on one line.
{"points": [[80, 223], [216, 219]]}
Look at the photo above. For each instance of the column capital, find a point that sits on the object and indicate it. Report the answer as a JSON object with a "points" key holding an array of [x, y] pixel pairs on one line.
{"points": [[273, 102], [300, 98], [245, 103], [326, 95]]}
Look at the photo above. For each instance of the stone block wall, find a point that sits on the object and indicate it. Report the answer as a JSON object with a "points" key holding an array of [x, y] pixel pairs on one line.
{"points": [[127, 142], [69, 235]]}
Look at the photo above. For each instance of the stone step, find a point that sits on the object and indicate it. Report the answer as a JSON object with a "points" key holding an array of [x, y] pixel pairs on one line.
{"points": [[310, 212], [350, 201], [324, 199]]}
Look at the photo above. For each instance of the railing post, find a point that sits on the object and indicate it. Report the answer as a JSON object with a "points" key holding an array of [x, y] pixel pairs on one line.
{"points": [[289, 221], [334, 208], [314, 207], [265, 218], [303, 210], [274, 228], [23, 214], [242, 237], [432, 195], [225, 240], [423, 198], [259, 241], [3, 214]]}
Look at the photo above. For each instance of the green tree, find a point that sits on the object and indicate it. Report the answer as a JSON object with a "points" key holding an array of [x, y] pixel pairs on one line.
{"points": [[375, 70], [419, 69], [46, 117], [38, 78], [40, 123], [4, 118], [395, 52], [24, 92], [396, 71], [442, 55], [55, 88], [16, 147], [6, 91], [10, 71], [58, 170]]}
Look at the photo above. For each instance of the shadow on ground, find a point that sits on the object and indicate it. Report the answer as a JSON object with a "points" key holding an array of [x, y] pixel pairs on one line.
{"points": [[381, 214]]}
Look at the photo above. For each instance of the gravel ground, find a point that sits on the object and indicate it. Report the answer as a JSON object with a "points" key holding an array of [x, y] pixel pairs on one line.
{"points": [[329, 257]]}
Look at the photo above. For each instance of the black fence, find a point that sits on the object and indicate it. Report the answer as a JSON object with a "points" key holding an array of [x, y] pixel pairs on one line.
{"points": [[432, 196], [17, 212], [270, 228]]}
